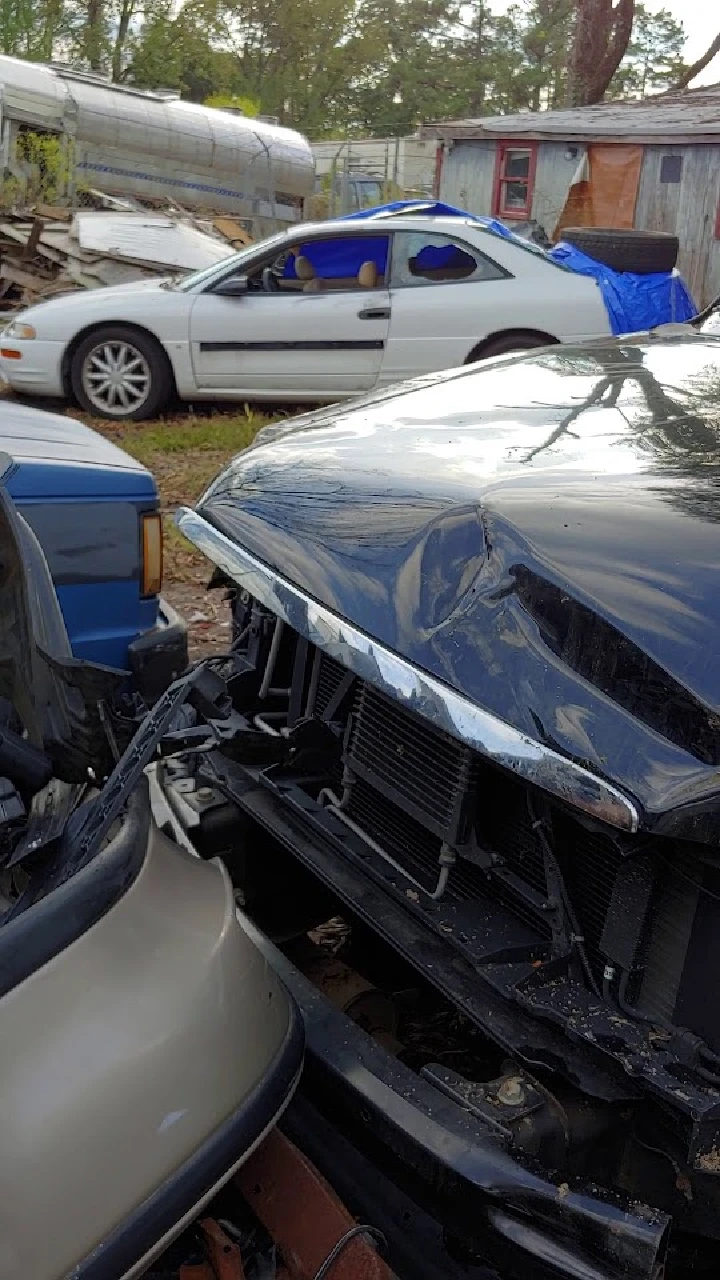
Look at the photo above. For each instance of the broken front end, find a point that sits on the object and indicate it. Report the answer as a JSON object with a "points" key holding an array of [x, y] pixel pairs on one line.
{"points": [[468, 724]]}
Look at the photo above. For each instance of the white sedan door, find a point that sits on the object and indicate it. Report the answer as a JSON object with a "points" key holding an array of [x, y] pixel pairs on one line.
{"points": [[289, 343], [446, 295]]}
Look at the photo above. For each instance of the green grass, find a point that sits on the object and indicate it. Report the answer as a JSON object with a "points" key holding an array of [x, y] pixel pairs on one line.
{"points": [[221, 433]]}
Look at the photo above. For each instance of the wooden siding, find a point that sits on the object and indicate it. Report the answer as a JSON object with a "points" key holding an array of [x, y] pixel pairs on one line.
{"points": [[467, 176], [552, 182], [469, 169], [688, 209]]}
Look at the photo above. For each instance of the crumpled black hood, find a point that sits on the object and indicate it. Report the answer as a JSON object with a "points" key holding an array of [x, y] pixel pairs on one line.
{"points": [[542, 534]]}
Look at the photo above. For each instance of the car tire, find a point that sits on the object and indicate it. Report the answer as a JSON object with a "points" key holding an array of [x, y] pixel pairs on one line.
{"points": [[139, 382], [642, 252], [506, 343]]}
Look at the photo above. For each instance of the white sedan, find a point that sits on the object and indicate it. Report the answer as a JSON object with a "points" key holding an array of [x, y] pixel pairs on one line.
{"points": [[317, 313]]}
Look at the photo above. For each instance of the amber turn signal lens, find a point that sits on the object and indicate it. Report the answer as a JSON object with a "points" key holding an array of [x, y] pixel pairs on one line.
{"points": [[152, 554]]}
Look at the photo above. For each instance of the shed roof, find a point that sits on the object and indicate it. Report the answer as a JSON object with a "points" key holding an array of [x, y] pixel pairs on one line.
{"points": [[690, 116]]}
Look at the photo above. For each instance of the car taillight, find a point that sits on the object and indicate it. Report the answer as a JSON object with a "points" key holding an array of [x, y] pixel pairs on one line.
{"points": [[152, 554]]}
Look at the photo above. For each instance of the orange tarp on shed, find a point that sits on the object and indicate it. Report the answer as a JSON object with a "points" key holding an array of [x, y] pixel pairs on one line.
{"points": [[604, 190]]}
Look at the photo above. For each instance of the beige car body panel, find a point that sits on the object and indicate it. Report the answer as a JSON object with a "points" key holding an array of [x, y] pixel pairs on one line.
{"points": [[121, 1056]]}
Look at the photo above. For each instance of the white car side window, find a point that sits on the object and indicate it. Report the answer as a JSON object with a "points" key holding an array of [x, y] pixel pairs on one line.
{"points": [[420, 258]]}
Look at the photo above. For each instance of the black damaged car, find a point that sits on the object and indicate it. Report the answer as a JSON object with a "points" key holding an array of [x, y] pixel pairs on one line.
{"points": [[475, 695]]}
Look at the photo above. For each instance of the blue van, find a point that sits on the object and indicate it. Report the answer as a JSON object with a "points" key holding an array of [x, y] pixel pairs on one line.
{"points": [[96, 514]]}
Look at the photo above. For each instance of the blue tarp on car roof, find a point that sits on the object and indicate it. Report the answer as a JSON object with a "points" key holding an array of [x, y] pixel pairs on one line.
{"points": [[633, 302], [434, 209]]}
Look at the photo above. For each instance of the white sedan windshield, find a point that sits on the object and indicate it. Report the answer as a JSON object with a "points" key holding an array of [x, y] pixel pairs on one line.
{"points": [[234, 261]]}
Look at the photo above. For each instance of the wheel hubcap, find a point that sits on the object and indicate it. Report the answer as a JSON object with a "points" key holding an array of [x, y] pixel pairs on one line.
{"points": [[116, 378]]}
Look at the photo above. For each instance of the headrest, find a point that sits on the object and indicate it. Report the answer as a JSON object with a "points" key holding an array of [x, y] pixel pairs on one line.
{"points": [[304, 269], [367, 275]]}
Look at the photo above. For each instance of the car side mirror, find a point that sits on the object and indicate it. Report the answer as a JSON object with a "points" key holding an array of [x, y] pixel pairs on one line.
{"points": [[235, 287]]}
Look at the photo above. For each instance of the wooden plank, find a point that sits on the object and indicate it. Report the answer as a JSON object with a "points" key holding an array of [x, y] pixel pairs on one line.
{"points": [[53, 212], [33, 239], [232, 231], [24, 279]]}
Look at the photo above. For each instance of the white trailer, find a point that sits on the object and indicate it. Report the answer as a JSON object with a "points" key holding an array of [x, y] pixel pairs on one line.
{"points": [[150, 146]]}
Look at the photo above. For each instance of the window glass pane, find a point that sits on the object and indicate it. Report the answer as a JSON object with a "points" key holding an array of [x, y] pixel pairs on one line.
{"points": [[515, 195], [671, 169], [338, 262], [367, 194], [517, 164], [420, 259]]}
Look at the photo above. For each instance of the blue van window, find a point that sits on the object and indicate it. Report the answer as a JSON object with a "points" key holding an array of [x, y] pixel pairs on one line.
{"points": [[87, 541]]}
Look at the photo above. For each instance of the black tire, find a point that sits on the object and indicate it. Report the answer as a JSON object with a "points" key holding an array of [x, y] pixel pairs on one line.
{"points": [[506, 343], [152, 365], [643, 252]]}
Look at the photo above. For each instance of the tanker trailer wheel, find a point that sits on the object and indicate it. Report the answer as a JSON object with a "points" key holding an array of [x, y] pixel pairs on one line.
{"points": [[120, 372]]}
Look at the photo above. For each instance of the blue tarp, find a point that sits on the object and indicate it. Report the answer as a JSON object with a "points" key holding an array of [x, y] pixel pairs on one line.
{"points": [[633, 302], [436, 209]]}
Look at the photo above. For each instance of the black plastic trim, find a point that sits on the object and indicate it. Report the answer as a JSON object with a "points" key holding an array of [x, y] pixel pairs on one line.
{"points": [[159, 656], [46, 927], [310, 344], [156, 1217]]}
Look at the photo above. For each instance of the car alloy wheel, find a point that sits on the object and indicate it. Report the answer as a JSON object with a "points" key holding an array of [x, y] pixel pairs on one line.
{"points": [[116, 378]]}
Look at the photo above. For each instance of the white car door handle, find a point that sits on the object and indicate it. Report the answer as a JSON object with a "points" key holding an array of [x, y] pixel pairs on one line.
{"points": [[374, 313]]}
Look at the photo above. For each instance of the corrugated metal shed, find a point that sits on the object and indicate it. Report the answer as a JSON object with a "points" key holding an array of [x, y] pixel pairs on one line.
{"points": [[692, 116]]}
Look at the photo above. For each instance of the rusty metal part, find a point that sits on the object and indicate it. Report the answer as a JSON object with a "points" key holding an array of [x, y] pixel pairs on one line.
{"points": [[303, 1215], [224, 1253], [348, 991]]}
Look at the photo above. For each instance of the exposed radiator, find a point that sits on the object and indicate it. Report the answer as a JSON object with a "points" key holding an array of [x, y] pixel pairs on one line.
{"points": [[428, 773], [330, 675], [417, 787]]}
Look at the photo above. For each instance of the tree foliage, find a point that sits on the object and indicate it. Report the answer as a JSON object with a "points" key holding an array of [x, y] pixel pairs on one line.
{"points": [[351, 67]]}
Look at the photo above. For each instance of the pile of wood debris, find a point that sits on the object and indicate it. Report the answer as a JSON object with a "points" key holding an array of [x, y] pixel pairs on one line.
{"points": [[50, 250]]}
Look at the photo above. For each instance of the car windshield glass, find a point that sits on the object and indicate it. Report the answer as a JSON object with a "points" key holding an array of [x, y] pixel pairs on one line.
{"points": [[235, 261]]}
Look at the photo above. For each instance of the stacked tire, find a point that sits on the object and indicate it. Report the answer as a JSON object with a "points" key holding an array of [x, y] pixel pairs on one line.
{"points": [[643, 252]]}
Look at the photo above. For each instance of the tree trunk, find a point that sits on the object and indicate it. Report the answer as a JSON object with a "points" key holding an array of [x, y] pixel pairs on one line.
{"points": [[476, 98], [95, 34], [600, 40], [700, 65], [126, 13]]}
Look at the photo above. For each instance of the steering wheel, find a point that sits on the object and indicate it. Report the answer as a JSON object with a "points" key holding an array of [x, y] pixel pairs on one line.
{"points": [[269, 280]]}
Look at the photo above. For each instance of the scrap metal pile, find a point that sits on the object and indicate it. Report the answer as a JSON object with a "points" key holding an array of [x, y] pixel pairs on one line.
{"points": [[50, 250]]}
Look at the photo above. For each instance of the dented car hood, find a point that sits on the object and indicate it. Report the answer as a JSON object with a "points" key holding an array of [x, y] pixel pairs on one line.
{"points": [[540, 533]]}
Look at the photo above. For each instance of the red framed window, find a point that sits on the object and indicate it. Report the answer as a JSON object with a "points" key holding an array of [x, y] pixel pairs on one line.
{"points": [[515, 165]]}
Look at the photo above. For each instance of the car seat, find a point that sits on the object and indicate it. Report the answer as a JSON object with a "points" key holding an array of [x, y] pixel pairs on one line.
{"points": [[305, 271], [367, 276]]}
